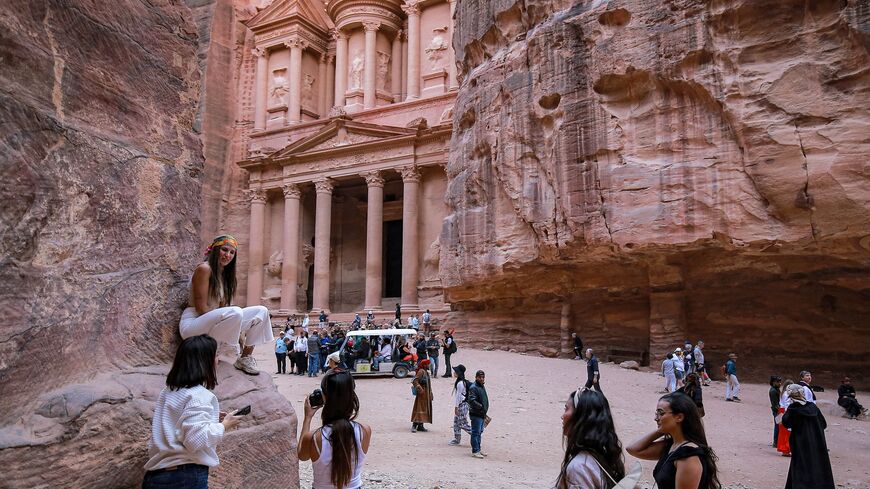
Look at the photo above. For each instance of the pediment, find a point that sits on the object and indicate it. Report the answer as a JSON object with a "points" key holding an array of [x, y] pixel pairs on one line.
{"points": [[280, 11], [343, 132]]}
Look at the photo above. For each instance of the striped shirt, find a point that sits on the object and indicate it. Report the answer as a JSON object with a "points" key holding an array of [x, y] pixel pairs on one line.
{"points": [[185, 429]]}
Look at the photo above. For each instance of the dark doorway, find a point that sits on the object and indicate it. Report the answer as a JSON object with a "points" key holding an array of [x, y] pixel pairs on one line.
{"points": [[309, 292], [393, 259]]}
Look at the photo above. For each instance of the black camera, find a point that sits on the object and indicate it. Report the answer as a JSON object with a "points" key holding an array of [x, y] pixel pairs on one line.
{"points": [[315, 399]]}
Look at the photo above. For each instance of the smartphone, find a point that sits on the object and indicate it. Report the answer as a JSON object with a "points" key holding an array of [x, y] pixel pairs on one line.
{"points": [[244, 411], [316, 398]]}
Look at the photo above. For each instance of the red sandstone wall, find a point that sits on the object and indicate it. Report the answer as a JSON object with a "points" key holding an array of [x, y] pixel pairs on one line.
{"points": [[700, 167], [103, 170]]}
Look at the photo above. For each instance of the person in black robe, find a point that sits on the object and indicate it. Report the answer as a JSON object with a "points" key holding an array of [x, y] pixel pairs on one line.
{"points": [[810, 466], [846, 399]]}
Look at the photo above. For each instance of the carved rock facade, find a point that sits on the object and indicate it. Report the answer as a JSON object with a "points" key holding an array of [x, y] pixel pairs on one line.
{"points": [[647, 172]]}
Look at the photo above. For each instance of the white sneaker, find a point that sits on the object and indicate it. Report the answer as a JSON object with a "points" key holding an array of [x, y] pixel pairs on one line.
{"points": [[476, 455], [247, 365]]}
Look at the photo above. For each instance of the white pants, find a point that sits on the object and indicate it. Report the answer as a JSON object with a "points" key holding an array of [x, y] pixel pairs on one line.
{"points": [[670, 382], [732, 387], [226, 324]]}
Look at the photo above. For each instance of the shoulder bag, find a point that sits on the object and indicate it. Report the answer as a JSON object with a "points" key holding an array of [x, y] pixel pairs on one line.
{"points": [[631, 477]]}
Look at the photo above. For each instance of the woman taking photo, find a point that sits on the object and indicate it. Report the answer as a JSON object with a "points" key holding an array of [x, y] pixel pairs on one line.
{"points": [[187, 423], [338, 449], [685, 461], [422, 412], [210, 311], [593, 453]]}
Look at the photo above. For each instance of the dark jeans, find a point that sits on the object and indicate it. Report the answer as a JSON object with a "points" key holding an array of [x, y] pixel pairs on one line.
{"points": [[595, 385], [282, 362], [775, 426], [852, 407], [449, 371], [476, 433], [301, 363], [187, 476]]}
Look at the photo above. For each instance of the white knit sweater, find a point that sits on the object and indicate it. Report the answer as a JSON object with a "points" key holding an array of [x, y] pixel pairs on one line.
{"points": [[185, 429]]}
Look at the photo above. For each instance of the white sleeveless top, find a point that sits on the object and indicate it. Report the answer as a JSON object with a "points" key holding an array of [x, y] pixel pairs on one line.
{"points": [[323, 466]]}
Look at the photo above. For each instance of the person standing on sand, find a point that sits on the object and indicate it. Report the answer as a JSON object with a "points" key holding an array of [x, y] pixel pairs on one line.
{"points": [[668, 372], [478, 406], [732, 385], [578, 346], [810, 466], [593, 376], [806, 379], [698, 355], [460, 405], [449, 349], [773, 393], [422, 411]]}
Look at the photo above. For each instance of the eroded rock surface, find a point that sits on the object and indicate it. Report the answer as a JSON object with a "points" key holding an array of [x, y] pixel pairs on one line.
{"points": [[102, 168], [670, 170]]}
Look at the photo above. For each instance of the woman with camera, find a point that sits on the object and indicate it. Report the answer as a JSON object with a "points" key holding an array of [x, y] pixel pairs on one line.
{"points": [[187, 424], [338, 449]]}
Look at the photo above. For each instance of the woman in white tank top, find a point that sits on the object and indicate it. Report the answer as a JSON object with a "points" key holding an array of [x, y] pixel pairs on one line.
{"points": [[338, 449]]}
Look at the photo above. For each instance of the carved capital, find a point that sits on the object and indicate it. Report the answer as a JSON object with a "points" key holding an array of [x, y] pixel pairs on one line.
{"points": [[330, 58], [323, 186], [296, 42], [260, 52], [256, 195], [371, 26], [336, 34], [291, 191], [324, 58], [400, 35], [411, 7], [410, 174], [373, 178]]}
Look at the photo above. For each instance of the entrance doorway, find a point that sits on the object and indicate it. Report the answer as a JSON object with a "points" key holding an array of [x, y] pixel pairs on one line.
{"points": [[392, 258]]}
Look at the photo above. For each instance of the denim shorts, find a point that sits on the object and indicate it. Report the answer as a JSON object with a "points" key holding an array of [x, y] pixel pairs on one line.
{"points": [[679, 374], [187, 476]]}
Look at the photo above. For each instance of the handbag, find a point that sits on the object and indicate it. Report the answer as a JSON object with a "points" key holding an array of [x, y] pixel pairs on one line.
{"points": [[413, 390], [631, 477], [486, 420]]}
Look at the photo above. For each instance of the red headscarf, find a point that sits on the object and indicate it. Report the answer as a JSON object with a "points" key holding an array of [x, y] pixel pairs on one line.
{"points": [[424, 363]]}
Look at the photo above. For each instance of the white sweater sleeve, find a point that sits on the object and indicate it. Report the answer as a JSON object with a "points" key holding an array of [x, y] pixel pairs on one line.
{"points": [[197, 428]]}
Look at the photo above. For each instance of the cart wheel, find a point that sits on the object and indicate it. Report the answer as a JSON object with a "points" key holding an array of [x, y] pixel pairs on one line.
{"points": [[400, 372]]}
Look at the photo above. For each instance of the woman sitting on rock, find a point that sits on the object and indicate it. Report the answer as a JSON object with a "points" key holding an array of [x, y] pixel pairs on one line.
{"points": [[187, 424], [338, 449], [210, 311], [593, 453]]}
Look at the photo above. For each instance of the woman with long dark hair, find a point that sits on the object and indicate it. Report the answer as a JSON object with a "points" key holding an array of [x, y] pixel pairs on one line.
{"points": [[210, 310], [460, 405], [593, 453], [692, 388], [680, 446], [338, 449], [187, 424]]}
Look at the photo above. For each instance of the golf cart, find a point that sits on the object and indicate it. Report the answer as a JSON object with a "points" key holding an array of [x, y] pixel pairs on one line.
{"points": [[360, 367]]}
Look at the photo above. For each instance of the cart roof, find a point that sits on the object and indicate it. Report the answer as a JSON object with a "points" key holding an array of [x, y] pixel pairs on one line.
{"points": [[381, 332]]}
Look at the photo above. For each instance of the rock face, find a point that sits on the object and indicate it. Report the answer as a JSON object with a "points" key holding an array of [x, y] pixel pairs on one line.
{"points": [[666, 170], [101, 201]]}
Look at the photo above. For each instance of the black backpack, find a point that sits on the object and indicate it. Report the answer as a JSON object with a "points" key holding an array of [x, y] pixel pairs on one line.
{"points": [[452, 348]]}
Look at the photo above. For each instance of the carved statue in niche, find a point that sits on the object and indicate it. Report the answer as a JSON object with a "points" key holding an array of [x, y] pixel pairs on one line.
{"points": [[356, 69], [383, 81], [436, 48], [308, 91], [276, 259], [431, 260], [271, 297], [280, 87]]}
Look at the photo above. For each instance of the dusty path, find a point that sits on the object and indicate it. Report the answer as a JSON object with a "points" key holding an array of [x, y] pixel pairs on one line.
{"points": [[527, 395]]}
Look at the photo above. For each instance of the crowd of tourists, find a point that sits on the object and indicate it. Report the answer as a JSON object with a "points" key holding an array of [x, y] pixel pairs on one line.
{"points": [[188, 424]]}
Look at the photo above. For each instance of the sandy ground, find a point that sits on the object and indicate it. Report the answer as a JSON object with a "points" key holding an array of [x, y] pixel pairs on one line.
{"points": [[527, 396]]}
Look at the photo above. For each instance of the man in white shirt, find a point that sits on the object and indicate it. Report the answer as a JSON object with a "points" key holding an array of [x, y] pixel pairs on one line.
{"points": [[383, 355], [300, 350], [806, 378]]}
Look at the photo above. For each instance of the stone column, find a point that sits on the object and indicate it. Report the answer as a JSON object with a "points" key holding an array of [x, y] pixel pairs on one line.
{"points": [[413, 10], [340, 67], [404, 36], [371, 64], [322, 108], [452, 82], [374, 239], [262, 88], [322, 228], [410, 237], [255, 245], [567, 348], [290, 266], [330, 82], [396, 74], [294, 102]]}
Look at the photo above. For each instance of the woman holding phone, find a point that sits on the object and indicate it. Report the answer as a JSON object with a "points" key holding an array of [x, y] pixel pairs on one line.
{"points": [[187, 424]]}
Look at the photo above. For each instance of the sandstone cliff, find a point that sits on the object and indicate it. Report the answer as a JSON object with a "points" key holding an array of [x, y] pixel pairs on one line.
{"points": [[103, 172], [645, 171]]}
